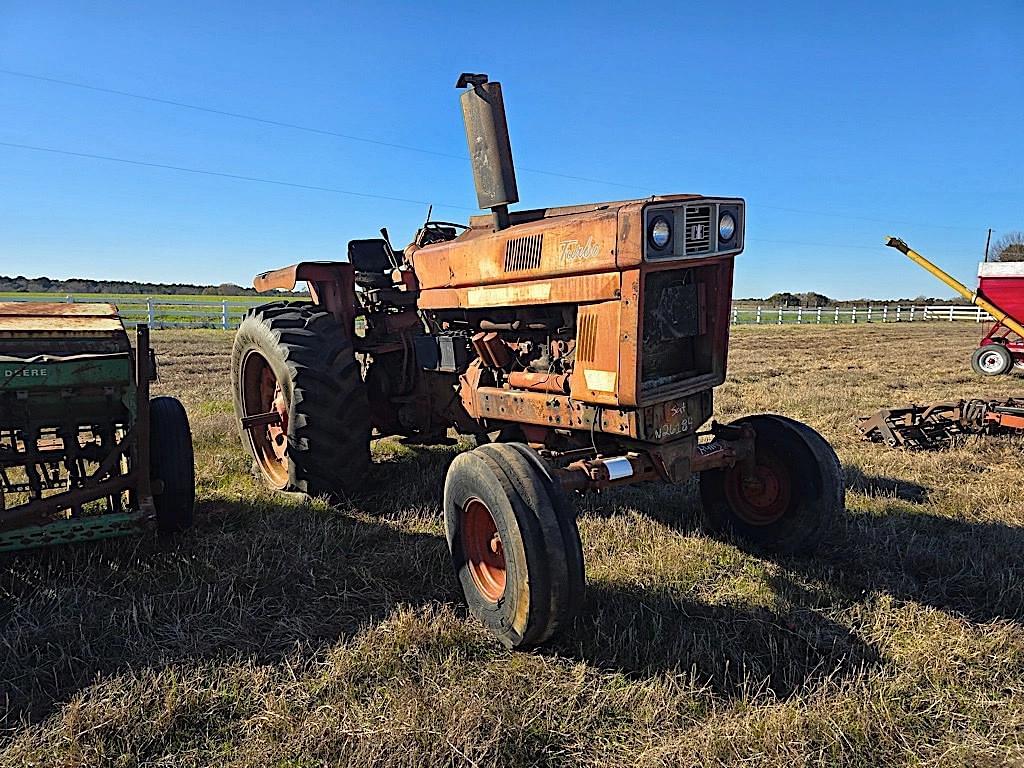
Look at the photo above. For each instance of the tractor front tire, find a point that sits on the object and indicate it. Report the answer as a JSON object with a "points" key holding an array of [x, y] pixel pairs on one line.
{"points": [[514, 544], [172, 464], [992, 360], [296, 360], [796, 493]]}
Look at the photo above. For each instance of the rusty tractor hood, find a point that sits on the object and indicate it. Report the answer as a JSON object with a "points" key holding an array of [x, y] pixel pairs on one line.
{"points": [[542, 243]]}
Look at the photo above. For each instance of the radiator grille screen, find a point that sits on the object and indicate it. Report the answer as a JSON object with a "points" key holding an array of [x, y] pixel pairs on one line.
{"points": [[698, 229]]}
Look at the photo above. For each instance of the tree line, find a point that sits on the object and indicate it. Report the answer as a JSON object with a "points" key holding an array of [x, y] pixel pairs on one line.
{"points": [[76, 285]]}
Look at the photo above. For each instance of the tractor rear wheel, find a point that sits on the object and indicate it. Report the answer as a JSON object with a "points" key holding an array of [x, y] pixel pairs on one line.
{"points": [[300, 400], [795, 494], [992, 360], [514, 544], [171, 464]]}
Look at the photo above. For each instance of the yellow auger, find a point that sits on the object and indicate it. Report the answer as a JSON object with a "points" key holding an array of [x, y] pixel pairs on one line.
{"points": [[972, 296]]}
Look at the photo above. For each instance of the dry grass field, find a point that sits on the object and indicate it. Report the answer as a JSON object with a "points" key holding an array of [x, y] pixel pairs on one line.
{"points": [[277, 633]]}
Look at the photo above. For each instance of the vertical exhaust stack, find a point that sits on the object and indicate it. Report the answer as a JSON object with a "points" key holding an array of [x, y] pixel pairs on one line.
{"points": [[483, 111]]}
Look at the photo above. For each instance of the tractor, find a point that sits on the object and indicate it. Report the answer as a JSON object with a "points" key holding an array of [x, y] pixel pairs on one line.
{"points": [[578, 347]]}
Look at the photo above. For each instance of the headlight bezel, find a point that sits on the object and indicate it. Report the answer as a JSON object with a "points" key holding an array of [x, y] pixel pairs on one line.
{"points": [[652, 238], [722, 217]]}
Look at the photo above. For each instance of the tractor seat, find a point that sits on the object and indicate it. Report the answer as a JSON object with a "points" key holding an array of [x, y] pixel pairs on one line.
{"points": [[371, 262]]}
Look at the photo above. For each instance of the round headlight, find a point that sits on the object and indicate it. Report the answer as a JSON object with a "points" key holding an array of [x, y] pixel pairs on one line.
{"points": [[661, 232], [726, 226]]}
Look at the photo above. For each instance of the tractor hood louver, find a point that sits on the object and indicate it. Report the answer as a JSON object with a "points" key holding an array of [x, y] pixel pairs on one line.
{"points": [[522, 253]]}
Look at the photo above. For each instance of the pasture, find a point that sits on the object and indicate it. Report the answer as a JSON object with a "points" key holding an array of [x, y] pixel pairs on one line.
{"points": [[282, 633]]}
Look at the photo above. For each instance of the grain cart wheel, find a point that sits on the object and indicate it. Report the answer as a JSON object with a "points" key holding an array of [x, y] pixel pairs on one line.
{"points": [[992, 360], [171, 464], [521, 575], [795, 495], [293, 368]]}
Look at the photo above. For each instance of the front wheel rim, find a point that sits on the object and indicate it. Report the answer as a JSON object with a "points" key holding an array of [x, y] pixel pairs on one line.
{"points": [[484, 550], [763, 497]]}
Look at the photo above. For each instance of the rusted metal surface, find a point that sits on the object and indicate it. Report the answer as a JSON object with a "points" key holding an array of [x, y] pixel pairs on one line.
{"points": [[492, 350], [53, 318], [571, 245], [331, 284], [59, 326], [660, 423], [576, 240], [485, 551], [483, 112], [600, 350], [145, 372], [675, 462], [56, 309], [265, 417], [940, 425], [567, 290], [539, 382]]}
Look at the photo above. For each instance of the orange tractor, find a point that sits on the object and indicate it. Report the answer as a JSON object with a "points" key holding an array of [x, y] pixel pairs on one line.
{"points": [[579, 346]]}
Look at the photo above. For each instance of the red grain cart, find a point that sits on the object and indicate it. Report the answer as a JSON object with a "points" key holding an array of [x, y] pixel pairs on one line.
{"points": [[1002, 283], [1000, 293]]}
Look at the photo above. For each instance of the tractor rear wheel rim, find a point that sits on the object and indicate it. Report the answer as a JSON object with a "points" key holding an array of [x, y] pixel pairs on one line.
{"points": [[485, 552], [762, 498], [262, 393]]}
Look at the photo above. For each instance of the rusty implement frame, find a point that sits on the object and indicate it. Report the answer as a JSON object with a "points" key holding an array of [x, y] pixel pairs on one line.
{"points": [[940, 425]]}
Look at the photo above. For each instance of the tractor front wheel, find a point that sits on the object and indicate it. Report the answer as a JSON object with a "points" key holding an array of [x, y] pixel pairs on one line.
{"points": [[300, 400], [514, 544], [791, 498], [992, 360]]}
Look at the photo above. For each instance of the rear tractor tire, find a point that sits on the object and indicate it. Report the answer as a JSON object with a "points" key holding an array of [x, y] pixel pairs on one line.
{"points": [[294, 363], [172, 466], [514, 543], [992, 360], [796, 494]]}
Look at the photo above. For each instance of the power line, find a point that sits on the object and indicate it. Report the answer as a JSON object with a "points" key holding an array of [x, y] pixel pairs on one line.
{"points": [[235, 176], [297, 126], [647, 189], [334, 190]]}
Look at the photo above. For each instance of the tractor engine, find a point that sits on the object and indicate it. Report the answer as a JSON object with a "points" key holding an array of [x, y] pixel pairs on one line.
{"points": [[610, 318]]}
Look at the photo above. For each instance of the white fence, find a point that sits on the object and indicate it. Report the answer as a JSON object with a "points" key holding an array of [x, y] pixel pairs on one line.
{"points": [[871, 313], [166, 312]]}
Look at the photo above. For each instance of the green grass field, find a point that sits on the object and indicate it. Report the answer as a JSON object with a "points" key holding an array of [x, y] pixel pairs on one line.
{"points": [[282, 633]]}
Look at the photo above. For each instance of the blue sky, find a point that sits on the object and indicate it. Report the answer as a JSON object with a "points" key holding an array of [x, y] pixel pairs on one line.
{"points": [[839, 123]]}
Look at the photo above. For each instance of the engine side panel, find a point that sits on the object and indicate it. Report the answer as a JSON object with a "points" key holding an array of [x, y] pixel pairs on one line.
{"points": [[572, 289], [572, 245]]}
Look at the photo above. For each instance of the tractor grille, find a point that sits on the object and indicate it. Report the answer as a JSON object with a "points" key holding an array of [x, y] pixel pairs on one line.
{"points": [[586, 338], [675, 345], [697, 234], [523, 253]]}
